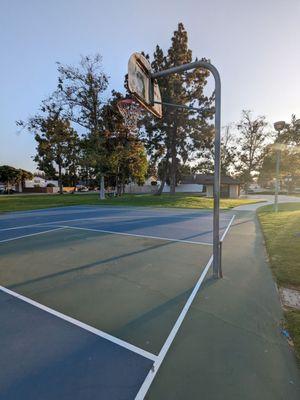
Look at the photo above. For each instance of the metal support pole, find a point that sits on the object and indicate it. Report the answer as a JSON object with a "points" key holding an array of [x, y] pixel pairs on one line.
{"points": [[220, 269], [217, 146], [182, 106], [277, 180]]}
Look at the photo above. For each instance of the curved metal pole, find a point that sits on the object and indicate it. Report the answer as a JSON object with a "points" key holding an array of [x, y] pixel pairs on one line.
{"points": [[217, 145]]}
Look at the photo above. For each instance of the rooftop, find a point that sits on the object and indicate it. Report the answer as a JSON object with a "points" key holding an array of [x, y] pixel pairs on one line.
{"points": [[207, 179]]}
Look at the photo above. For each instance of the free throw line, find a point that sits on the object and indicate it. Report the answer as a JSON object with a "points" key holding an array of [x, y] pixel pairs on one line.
{"points": [[30, 234], [134, 235]]}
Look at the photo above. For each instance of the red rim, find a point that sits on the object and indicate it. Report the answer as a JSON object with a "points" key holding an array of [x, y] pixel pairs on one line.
{"points": [[127, 101]]}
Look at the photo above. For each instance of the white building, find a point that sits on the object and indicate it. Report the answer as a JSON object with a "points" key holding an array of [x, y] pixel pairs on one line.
{"points": [[230, 187], [37, 181], [40, 185]]}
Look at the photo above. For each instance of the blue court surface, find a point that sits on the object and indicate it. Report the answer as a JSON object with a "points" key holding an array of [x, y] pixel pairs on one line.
{"points": [[92, 297]]}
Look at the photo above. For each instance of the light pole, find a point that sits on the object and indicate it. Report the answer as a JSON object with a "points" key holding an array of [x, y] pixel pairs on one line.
{"points": [[279, 126]]}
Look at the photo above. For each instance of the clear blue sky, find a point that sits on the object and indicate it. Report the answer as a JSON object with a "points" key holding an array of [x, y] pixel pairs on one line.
{"points": [[255, 45]]}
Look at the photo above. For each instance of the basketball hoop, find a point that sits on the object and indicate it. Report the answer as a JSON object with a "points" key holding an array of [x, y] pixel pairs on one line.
{"points": [[130, 111]]}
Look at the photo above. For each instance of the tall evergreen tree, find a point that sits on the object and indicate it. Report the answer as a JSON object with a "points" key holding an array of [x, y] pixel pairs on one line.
{"points": [[181, 135]]}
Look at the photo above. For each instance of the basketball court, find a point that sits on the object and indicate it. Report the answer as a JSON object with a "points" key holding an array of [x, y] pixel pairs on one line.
{"points": [[93, 297]]}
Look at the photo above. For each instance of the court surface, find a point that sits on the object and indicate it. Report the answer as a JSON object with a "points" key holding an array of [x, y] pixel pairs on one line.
{"points": [[93, 297]]}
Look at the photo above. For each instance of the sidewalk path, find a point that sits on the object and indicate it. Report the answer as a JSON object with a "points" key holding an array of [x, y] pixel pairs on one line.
{"points": [[230, 346], [268, 199]]}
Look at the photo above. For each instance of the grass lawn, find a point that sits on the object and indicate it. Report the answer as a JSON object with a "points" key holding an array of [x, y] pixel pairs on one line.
{"points": [[181, 200], [282, 236]]}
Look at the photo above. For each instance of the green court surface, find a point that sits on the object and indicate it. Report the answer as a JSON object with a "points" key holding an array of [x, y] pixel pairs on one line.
{"points": [[132, 288], [120, 303], [120, 279]]}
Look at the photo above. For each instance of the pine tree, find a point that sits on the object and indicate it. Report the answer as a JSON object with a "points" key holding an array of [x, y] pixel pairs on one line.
{"points": [[181, 135]]}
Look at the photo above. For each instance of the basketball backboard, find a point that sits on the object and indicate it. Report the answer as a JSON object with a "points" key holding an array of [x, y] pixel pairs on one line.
{"points": [[140, 84]]}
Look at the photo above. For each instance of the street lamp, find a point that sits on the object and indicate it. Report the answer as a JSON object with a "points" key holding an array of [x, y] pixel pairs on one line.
{"points": [[279, 126]]}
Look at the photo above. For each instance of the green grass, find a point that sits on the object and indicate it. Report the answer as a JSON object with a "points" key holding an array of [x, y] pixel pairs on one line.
{"points": [[293, 325], [282, 236], [181, 200]]}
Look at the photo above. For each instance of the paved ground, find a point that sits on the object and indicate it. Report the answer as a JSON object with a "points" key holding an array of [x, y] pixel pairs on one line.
{"points": [[269, 199], [228, 347], [123, 276]]}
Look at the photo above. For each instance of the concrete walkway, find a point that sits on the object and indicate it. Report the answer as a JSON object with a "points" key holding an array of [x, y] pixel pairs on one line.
{"points": [[230, 345], [267, 199]]}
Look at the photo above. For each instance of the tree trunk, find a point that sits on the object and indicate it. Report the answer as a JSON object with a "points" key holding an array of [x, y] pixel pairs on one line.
{"points": [[102, 191], [162, 185], [60, 180], [118, 185], [173, 172], [173, 162]]}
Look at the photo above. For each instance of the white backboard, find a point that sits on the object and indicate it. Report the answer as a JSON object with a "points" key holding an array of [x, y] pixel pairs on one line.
{"points": [[145, 90]]}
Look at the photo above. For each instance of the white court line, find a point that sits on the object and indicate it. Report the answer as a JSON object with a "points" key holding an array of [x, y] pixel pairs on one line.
{"points": [[31, 234], [161, 356], [152, 373], [135, 235], [227, 229], [82, 325]]}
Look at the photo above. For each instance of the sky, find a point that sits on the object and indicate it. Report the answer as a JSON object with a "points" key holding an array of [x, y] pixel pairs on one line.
{"points": [[254, 44]]}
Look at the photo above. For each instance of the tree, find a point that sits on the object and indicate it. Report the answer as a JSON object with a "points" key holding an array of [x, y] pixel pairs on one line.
{"points": [[181, 134], [229, 151], [12, 176], [57, 142], [288, 142], [291, 133], [23, 176], [126, 158], [81, 89], [229, 155], [253, 138]]}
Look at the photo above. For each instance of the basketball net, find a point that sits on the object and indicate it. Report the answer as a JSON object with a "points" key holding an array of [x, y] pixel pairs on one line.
{"points": [[130, 111]]}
